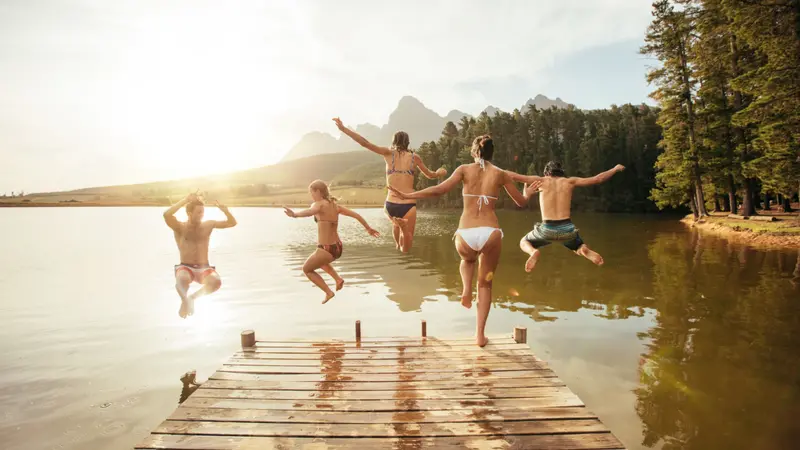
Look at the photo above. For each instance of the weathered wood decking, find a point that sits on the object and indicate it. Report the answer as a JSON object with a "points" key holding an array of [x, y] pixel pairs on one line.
{"points": [[374, 393]]}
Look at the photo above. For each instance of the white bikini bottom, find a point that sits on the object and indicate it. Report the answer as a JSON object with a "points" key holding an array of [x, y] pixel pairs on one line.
{"points": [[476, 237]]}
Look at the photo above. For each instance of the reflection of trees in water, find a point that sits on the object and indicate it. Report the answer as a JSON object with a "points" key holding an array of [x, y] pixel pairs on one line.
{"points": [[722, 368]]}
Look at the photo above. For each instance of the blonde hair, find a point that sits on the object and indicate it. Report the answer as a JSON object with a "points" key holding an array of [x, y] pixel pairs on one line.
{"points": [[401, 141], [319, 185]]}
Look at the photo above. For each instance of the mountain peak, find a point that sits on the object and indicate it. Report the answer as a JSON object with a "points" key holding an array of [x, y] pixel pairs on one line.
{"points": [[409, 101]]}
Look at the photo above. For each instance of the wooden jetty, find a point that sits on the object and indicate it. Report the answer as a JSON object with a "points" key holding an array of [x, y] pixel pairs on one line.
{"points": [[383, 392]]}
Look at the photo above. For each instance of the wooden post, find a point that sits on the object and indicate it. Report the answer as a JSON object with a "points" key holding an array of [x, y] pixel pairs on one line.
{"points": [[520, 335], [358, 330], [248, 338], [424, 328]]}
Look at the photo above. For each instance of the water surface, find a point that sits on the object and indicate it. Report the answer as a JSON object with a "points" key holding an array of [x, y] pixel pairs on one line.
{"points": [[679, 341]]}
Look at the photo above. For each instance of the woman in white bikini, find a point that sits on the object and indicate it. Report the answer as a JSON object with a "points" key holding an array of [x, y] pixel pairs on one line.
{"points": [[400, 162], [326, 213], [479, 235]]}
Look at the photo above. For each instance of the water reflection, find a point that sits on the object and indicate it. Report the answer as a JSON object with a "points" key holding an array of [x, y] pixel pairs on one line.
{"points": [[190, 384], [722, 369]]}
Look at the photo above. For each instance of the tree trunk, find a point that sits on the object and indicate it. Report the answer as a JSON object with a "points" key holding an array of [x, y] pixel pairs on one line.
{"points": [[693, 203], [731, 195], [687, 96], [717, 207], [748, 203], [766, 202], [787, 204], [726, 204]]}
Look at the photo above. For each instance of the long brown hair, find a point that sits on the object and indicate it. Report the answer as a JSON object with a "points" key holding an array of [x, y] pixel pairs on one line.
{"points": [[319, 185]]}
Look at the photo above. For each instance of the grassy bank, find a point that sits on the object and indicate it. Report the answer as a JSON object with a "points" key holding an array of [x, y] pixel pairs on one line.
{"points": [[783, 233], [350, 196]]}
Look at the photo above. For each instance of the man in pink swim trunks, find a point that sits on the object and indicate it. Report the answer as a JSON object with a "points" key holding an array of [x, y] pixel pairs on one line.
{"points": [[192, 238]]}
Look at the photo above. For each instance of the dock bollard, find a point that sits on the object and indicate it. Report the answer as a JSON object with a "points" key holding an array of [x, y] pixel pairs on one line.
{"points": [[358, 330], [248, 338], [521, 335], [424, 328]]}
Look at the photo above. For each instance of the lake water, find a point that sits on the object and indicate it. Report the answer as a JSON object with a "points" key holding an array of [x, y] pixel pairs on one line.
{"points": [[679, 341]]}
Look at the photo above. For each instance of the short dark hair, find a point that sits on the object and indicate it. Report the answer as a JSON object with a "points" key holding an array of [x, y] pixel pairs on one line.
{"points": [[192, 205], [553, 169], [484, 147]]}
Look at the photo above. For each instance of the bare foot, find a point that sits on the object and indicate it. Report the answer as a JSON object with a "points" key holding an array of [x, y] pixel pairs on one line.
{"points": [[328, 296], [592, 256], [531, 262], [339, 284], [466, 300], [187, 306], [481, 341]]}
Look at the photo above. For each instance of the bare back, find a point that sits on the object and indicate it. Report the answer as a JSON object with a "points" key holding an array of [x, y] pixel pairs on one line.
{"points": [[480, 211], [193, 241], [327, 222], [400, 178], [555, 197]]}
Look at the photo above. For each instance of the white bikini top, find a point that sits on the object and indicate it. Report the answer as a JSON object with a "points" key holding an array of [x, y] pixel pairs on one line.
{"points": [[482, 199]]}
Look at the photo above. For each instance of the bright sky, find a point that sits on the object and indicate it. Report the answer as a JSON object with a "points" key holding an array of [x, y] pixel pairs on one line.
{"points": [[100, 92]]}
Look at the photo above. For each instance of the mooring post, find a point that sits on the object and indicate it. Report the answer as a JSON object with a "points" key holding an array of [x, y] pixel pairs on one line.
{"points": [[520, 335], [424, 328], [358, 330], [248, 338]]}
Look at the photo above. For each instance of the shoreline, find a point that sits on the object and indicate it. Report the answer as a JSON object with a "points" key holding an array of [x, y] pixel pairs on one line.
{"points": [[728, 228], [154, 204]]}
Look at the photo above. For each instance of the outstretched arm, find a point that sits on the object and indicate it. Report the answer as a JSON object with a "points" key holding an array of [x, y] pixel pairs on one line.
{"points": [[230, 222], [440, 173], [314, 209], [350, 213], [512, 191], [599, 178], [434, 191], [169, 214], [383, 151], [524, 178]]}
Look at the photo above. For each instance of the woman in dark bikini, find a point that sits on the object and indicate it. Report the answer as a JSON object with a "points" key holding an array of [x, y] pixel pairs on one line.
{"points": [[400, 163], [326, 213], [478, 237]]}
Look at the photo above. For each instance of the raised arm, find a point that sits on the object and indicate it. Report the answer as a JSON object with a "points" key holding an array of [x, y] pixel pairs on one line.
{"points": [[314, 209], [169, 214], [599, 178], [440, 173], [434, 191], [230, 222], [383, 151], [350, 213]]}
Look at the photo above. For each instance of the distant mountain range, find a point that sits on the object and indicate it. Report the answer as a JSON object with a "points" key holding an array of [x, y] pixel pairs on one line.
{"points": [[411, 116]]}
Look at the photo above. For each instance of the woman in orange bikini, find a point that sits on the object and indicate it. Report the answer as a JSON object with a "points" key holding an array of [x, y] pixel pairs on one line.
{"points": [[478, 237], [326, 213], [400, 163]]}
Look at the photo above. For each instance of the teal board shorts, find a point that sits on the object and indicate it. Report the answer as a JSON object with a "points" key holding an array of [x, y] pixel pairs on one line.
{"points": [[550, 231]]}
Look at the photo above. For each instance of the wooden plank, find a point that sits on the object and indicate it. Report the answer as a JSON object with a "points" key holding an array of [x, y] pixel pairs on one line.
{"points": [[381, 405], [355, 371], [390, 366], [389, 339], [409, 342], [380, 356], [462, 363], [355, 350], [480, 393], [388, 385], [474, 415], [365, 377], [586, 441], [381, 430]]}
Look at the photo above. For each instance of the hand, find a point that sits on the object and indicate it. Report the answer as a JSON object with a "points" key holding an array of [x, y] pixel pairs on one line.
{"points": [[289, 212], [192, 196], [532, 188], [441, 172], [338, 123], [619, 167], [222, 207], [372, 232], [398, 193]]}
